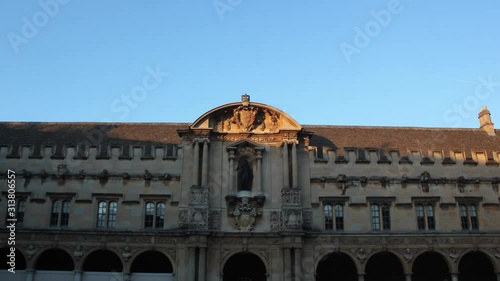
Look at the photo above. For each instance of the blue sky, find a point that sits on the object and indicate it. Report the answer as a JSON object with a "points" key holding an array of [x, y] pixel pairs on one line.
{"points": [[370, 63]]}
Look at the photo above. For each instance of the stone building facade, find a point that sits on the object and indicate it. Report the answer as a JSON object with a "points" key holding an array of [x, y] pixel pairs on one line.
{"points": [[246, 193]]}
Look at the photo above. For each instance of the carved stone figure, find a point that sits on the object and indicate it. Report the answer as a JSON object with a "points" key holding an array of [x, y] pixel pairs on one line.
{"points": [[127, 253], [31, 251], [78, 253], [245, 175]]}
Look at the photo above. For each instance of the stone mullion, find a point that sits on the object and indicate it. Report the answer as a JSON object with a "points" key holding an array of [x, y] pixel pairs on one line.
{"points": [[294, 165], [196, 162], [286, 177], [204, 167]]}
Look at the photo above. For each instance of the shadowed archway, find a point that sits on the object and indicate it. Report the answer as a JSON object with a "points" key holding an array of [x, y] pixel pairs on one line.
{"points": [[430, 266], [476, 266], [20, 261], [336, 266], [384, 266], [55, 260], [102, 261], [244, 265], [151, 262]]}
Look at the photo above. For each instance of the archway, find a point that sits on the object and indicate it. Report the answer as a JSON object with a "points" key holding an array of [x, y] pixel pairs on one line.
{"points": [[102, 261], [430, 266], [20, 261], [151, 262], [475, 266], [336, 266], [384, 266], [55, 260], [244, 267]]}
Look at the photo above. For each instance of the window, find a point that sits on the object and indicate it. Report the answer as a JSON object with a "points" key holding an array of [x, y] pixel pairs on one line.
{"points": [[468, 217], [59, 215], [330, 222], [383, 212], [425, 217], [106, 214], [154, 216], [15, 212]]}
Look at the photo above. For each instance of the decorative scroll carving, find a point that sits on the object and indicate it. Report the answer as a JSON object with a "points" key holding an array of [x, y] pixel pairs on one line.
{"points": [[198, 218], [245, 210], [454, 253], [275, 221], [199, 196], [307, 216], [292, 218], [183, 219], [361, 254], [291, 196], [214, 220]]}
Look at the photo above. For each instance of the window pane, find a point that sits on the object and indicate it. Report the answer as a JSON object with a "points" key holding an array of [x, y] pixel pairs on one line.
{"points": [[463, 217], [430, 211], [160, 215], [328, 210], [65, 214], [101, 214], [339, 217], [430, 217], [473, 217], [149, 214], [113, 206], [54, 216], [386, 217], [375, 217], [20, 211], [420, 211]]}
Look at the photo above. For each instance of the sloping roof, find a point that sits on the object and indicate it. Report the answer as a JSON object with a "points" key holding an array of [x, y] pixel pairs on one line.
{"points": [[400, 138]]}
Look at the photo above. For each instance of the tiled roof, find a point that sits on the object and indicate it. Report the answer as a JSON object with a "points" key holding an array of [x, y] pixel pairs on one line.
{"points": [[401, 138]]}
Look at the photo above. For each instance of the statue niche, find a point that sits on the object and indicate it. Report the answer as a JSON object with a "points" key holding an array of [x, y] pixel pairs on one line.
{"points": [[245, 174]]}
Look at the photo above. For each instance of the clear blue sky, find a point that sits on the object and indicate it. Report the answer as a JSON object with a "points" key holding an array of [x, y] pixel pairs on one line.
{"points": [[374, 63]]}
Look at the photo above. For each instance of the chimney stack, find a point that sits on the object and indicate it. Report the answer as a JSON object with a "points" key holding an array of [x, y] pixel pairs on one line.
{"points": [[485, 121]]}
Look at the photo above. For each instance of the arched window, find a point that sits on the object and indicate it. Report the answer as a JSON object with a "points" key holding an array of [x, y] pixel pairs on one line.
{"points": [[106, 214], [425, 217], [464, 217], [339, 217], [154, 215], [59, 215], [21, 205], [328, 210], [375, 217], [386, 217], [379, 212]]}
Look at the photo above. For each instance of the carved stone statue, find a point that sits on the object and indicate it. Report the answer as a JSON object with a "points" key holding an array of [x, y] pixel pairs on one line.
{"points": [[245, 175]]}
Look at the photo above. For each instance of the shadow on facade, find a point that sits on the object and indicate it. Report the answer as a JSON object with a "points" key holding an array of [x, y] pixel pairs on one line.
{"points": [[336, 265], [384, 266], [244, 266], [476, 266], [430, 266]]}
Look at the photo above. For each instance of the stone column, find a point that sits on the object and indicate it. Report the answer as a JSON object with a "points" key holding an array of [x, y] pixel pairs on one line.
{"points": [[78, 275], [127, 276], [231, 171], [29, 274], [498, 276], [196, 162], [361, 277], [288, 264], [258, 175], [294, 165], [204, 165], [297, 264], [286, 177], [202, 264], [454, 277], [191, 264], [408, 277]]}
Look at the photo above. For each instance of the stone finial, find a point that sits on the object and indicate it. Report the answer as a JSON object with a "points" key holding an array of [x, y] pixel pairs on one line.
{"points": [[245, 99], [485, 121]]}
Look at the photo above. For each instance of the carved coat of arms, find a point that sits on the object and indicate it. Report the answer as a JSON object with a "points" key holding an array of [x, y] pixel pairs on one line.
{"points": [[244, 116]]}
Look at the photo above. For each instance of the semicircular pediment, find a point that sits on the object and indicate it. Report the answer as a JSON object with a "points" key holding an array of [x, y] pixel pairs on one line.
{"points": [[246, 117]]}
